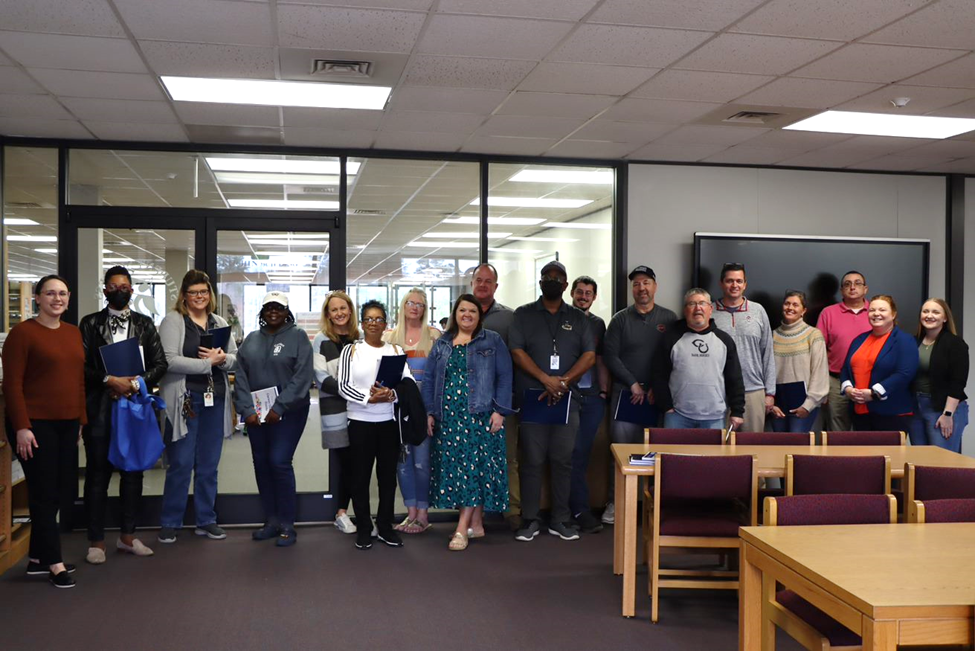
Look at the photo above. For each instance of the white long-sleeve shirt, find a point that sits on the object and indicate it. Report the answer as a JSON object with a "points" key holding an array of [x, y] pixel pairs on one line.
{"points": [[357, 372]]}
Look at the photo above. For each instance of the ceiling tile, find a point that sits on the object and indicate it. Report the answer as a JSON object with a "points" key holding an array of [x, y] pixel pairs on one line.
{"points": [[689, 14], [763, 55], [959, 73], [556, 105], [316, 137], [945, 24], [591, 149], [900, 162], [120, 110], [964, 166], [228, 114], [857, 149], [234, 135], [807, 93], [341, 28], [746, 155], [430, 121], [137, 131], [658, 110], [706, 134], [923, 99], [880, 63], [689, 153], [411, 5], [585, 78], [481, 36], [202, 60], [42, 107], [36, 128], [446, 142], [508, 146], [961, 110], [828, 19], [83, 17], [105, 85], [826, 158], [624, 45], [635, 132], [5, 61], [199, 21], [945, 149], [459, 100], [699, 86], [798, 140], [525, 126], [560, 9], [71, 52], [13, 80], [333, 118], [499, 74]]}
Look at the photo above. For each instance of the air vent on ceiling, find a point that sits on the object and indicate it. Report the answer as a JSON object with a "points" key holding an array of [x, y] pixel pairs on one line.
{"points": [[359, 211], [343, 69], [752, 117]]}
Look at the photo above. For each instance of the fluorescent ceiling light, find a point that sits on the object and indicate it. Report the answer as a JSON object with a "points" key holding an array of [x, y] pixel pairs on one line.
{"points": [[46, 250], [273, 165], [885, 124], [117, 260], [272, 92], [283, 204], [32, 238], [513, 251], [564, 176], [539, 239], [444, 245], [473, 235], [496, 221], [313, 243], [20, 221], [533, 202], [591, 227], [268, 178], [286, 236]]}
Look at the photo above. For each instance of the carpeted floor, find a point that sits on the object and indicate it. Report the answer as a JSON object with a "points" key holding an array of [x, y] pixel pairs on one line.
{"points": [[325, 594]]}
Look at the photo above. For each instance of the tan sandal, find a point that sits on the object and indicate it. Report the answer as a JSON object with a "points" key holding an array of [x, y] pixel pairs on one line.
{"points": [[458, 542], [472, 534], [407, 521]]}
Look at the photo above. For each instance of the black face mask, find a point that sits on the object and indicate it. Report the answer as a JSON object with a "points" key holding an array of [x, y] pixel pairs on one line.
{"points": [[118, 299], [552, 289]]}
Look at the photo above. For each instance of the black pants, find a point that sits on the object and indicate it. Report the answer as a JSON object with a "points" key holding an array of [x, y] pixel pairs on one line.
{"points": [[879, 423], [552, 443], [379, 443], [342, 477], [98, 472], [53, 466]]}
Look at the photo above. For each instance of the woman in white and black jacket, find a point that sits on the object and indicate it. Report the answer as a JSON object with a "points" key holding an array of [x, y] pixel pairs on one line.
{"points": [[373, 432]]}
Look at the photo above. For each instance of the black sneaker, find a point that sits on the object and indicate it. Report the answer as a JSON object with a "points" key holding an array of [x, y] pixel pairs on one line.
{"points": [[363, 540], [286, 537], [391, 538], [36, 569], [562, 531], [588, 523], [61, 580], [211, 531], [167, 535], [528, 532], [266, 532]]}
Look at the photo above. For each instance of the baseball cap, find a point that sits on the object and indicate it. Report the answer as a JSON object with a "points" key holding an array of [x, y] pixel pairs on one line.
{"points": [[554, 264], [275, 297], [642, 269]]}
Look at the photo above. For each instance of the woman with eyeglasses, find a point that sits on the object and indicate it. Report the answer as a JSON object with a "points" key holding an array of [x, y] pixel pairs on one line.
{"points": [[373, 431], [198, 414], [801, 368], [415, 336], [44, 386], [277, 356]]}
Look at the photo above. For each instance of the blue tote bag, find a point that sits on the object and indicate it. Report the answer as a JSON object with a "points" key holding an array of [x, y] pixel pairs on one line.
{"points": [[136, 441]]}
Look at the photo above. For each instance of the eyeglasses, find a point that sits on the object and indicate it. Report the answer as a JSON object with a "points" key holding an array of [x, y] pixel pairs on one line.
{"points": [[122, 288], [693, 304], [194, 293], [854, 283], [414, 304], [374, 319], [585, 294], [56, 294]]}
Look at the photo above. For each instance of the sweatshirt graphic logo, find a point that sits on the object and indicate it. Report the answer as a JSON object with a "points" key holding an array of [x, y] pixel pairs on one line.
{"points": [[701, 346], [277, 349]]}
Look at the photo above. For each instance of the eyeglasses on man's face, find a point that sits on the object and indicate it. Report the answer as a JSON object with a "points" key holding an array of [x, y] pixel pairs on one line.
{"points": [[853, 283], [693, 304], [194, 293]]}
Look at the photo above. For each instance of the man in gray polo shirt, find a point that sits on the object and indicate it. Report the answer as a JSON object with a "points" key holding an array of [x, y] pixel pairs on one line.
{"points": [[632, 339], [552, 347]]}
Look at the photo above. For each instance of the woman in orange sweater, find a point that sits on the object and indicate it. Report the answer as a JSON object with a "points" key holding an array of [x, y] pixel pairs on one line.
{"points": [[44, 385]]}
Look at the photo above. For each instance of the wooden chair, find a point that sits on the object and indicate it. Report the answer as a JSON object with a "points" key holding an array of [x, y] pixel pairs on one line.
{"points": [[927, 483], [808, 625], [946, 510], [864, 438], [699, 502], [807, 474], [773, 438]]}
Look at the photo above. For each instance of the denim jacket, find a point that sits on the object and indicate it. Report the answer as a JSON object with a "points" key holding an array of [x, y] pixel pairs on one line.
{"points": [[488, 374]]}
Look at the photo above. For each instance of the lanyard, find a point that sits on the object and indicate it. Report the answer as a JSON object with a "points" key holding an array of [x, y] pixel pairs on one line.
{"points": [[553, 331]]}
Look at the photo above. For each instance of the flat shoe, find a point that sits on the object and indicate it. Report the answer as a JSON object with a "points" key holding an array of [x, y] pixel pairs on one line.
{"points": [[136, 548], [415, 526], [458, 542], [473, 534], [402, 526], [95, 556]]}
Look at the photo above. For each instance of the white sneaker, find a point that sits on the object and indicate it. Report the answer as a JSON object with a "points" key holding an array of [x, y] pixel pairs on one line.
{"points": [[609, 515], [375, 531], [344, 524]]}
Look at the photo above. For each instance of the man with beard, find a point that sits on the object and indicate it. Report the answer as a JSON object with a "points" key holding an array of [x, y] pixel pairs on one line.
{"points": [[113, 324], [552, 347]]}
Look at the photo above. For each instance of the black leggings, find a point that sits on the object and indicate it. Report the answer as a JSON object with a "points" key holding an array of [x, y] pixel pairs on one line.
{"points": [[379, 443], [342, 473]]}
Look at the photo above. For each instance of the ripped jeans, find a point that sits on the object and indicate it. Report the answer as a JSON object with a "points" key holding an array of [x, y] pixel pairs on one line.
{"points": [[414, 476]]}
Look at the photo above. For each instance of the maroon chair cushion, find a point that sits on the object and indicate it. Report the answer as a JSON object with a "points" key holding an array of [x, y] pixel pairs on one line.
{"points": [[952, 510], [827, 475], [863, 438], [932, 483], [710, 519], [771, 438], [691, 477], [832, 630], [661, 436], [832, 509]]}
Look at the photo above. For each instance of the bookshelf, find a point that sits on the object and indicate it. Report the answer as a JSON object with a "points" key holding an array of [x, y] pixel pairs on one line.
{"points": [[14, 538]]}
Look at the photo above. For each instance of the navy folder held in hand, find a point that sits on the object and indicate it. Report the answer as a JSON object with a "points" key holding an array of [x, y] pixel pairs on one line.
{"points": [[123, 359], [216, 338], [643, 414], [538, 411], [391, 370], [790, 395]]}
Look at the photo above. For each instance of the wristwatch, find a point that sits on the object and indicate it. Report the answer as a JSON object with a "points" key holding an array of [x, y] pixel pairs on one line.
{"points": [[947, 413], [602, 394], [105, 379]]}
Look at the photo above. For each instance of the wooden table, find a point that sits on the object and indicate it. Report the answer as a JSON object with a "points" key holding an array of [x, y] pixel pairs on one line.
{"points": [[890, 583], [771, 463]]}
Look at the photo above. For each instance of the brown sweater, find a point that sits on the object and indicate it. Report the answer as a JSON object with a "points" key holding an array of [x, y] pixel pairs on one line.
{"points": [[43, 374]]}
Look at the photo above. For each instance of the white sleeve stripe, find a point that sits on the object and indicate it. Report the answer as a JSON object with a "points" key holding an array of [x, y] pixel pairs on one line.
{"points": [[345, 387]]}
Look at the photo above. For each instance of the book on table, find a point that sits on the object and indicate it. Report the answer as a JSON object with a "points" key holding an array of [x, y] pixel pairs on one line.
{"points": [[648, 459]]}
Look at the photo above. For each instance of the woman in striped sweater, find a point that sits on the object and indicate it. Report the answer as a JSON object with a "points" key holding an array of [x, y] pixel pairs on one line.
{"points": [[801, 368]]}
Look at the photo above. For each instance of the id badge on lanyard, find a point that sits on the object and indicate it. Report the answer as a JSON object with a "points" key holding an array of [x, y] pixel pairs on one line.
{"points": [[208, 394]]}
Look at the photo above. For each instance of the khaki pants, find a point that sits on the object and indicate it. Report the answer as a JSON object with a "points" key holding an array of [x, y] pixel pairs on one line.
{"points": [[511, 452], [836, 415], [754, 411]]}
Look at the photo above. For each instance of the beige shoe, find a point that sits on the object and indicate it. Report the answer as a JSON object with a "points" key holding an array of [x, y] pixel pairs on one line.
{"points": [[458, 542], [95, 556], [136, 548]]}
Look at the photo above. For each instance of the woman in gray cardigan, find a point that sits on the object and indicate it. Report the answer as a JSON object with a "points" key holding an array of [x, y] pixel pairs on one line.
{"points": [[198, 407]]}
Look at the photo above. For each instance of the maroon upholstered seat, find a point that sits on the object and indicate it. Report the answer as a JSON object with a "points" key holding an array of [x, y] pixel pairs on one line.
{"points": [[865, 438], [662, 436], [814, 475], [948, 510], [830, 509], [770, 438]]}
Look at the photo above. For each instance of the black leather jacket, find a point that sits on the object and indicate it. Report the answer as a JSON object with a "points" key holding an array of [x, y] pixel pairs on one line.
{"points": [[95, 333]]}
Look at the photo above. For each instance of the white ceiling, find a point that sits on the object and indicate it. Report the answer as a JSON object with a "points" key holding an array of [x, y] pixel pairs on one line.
{"points": [[613, 79]]}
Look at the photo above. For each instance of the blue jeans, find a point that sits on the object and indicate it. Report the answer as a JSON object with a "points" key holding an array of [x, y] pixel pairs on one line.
{"points": [[792, 423], [414, 476], [590, 416], [273, 447], [673, 420], [197, 453], [923, 431]]}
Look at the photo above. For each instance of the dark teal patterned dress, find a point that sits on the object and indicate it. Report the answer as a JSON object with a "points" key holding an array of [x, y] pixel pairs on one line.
{"points": [[467, 464]]}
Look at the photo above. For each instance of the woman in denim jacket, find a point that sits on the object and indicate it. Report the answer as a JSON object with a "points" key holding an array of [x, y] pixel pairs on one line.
{"points": [[467, 393]]}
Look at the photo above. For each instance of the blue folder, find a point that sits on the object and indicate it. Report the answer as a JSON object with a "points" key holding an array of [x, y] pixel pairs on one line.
{"points": [[391, 370], [643, 414], [216, 338], [538, 411], [123, 359], [790, 395]]}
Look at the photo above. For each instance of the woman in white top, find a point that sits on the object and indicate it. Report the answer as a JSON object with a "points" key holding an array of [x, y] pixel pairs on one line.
{"points": [[373, 431]]}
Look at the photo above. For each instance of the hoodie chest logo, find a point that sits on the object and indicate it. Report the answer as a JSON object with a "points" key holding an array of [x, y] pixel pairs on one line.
{"points": [[702, 347], [277, 349]]}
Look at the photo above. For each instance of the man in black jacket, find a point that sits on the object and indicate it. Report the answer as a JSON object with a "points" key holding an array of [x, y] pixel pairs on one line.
{"points": [[113, 324]]}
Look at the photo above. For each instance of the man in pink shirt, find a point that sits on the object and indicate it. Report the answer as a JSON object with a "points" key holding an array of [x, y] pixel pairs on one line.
{"points": [[841, 324]]}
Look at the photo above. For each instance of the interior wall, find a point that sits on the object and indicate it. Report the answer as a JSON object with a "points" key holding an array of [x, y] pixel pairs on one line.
{"points": [[968, 334]]}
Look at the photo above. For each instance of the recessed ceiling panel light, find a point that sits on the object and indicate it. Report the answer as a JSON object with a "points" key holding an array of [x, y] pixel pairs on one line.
{"points": [[603, 177], [32, 238], [495, 249], [276, 166], [291, 243], [885, 124], [589, 227], [283, 204], [472, 235], [496, 221], [444, 245], [46, 250], [273, 92], [20, 221], [540, 239], [286, 236], [269, 178], [533, 202]]}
